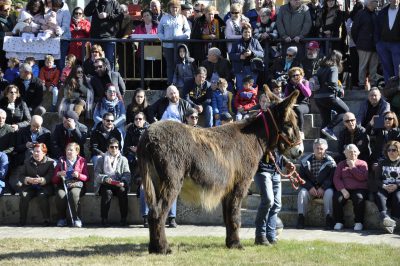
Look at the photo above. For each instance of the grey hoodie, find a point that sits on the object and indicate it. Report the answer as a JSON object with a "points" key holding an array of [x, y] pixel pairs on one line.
{"points": [[184, 70]]}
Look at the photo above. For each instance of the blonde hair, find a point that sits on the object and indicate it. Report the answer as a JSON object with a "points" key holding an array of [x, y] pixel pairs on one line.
{"points": [[74, 145], [236, 7], [210, 9], [14, 60], [71, 59], [49, 57]]}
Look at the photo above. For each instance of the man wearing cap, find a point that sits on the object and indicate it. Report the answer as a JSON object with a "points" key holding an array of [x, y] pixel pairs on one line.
{"points": [[313, 58], [186, 10], [217, 66], [7, 23], [70, 130]]}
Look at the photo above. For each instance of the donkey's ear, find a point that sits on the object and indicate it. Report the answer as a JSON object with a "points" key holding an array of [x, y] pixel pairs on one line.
{"points": [[288, 103], [271, 96]]}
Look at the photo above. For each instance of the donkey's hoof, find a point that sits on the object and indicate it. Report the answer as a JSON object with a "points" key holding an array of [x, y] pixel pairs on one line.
{"points": [[236, 245], [159, 250]]}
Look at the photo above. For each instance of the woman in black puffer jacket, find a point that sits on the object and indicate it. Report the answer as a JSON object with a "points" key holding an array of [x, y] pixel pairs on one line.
{"points": [[18, 114]]}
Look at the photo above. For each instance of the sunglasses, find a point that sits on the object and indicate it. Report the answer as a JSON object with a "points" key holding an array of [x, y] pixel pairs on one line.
{"points": [[389, 118], [113, 147], [78, 13], [295, 75], [392, 150], [138, 119], [349, 120], [235, 13], [197, 11], [13, 92], [109, 120], [98, 67], [289, 55], [111, 91], [194, 117]]}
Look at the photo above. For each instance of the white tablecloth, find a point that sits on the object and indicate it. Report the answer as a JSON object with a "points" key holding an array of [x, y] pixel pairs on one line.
{"points": [[15, 47]]}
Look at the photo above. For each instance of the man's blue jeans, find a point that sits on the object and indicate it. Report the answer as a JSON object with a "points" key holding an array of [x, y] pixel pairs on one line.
{"points": [[270, 188], [144, 209], [109, 53], [208, 114], [389, 54]]}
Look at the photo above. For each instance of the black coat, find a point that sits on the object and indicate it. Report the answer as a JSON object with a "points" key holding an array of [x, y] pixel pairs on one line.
{"points": [[223, 68], [33, 96], [383, 136], [324, 178], [132, 137], [61, 137], [20, 116], [362, 30], [100, 89], [99, 139], [157, 110], [197, 97]]}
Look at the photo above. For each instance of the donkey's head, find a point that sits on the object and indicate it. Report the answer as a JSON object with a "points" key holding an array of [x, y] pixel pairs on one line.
{"points": [[287, 135]]}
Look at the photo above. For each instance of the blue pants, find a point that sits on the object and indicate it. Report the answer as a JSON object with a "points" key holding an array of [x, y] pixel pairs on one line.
{"points": [[240, 76], [144, 209], [270, 191], [64, 45], [389, 54], [208, 115], [109, 53]]}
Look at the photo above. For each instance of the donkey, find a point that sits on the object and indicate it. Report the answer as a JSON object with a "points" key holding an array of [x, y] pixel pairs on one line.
{"points": [[206, 166]]}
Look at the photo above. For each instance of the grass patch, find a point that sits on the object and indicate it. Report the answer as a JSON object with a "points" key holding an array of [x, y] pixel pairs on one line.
{"points": [[189, 251]]}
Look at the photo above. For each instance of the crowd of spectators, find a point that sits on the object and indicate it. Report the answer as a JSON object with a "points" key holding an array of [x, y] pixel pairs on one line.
{"points": [[217, 81]]}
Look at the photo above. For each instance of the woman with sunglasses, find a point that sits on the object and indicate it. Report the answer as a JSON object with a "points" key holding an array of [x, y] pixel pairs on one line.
{"points": [[139, 104], [297, 82], [390, 131], [80, 28], [234, 24], [18, 114], [192, 117], [351, 183], [113, 175], [96, 52], [387, 186], [78, 93]]}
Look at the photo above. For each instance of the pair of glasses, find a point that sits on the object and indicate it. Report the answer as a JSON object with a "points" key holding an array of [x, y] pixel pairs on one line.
{"points": [[109, 120], [235, 13], [98, 67], [95, 52], [392, 150], [79, 72], [197, 11], [389, 118], [113, 147], [78, 13], [289, 55], [194, 117], [13, 92], [349, 120], [295, 75], [138, 119]]}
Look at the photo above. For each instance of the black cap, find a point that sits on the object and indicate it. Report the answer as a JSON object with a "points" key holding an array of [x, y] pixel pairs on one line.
{"points": [[71, 114], [186, 6]]}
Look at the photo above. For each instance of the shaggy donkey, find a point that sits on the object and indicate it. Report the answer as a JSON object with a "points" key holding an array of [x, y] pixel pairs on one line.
{"points": [[209, 165]]}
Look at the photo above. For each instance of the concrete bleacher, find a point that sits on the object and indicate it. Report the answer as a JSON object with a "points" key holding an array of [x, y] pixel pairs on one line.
{"points": [[90, 203]]}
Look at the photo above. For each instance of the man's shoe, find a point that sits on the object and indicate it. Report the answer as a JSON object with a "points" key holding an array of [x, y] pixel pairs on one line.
{"points": [[329, 223], [46, 223], [172, 223], [329, 133], [388, 222], [123, 222], [358, 226], [104, 222], [261, 240], [389, 229], [61, 223], [145, 222], [338, 226], [78, 223], [300, 222]]}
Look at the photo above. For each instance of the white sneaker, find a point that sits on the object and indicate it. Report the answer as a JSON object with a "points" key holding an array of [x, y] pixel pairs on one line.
{"points": [[358, 226], [338, 226], [78, 223]]}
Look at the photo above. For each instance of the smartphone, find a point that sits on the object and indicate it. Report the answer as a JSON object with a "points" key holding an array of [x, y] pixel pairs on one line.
{"points": [[378, 122]]}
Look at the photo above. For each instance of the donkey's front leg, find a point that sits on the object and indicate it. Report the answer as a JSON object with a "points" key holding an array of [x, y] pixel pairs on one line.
{"points": [[231, 207]]}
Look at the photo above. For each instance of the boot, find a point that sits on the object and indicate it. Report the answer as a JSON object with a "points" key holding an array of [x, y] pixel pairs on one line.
{"points": [[261, 240], [300, 222]]}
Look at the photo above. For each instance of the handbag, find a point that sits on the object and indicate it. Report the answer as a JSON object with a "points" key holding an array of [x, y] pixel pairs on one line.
{"points": [[256, 64]]}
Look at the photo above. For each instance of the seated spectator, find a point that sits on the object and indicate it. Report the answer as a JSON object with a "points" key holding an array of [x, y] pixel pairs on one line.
{"points": [[50, 76], [297, 82], [317, 170], [192, 117], [70, 130], [350, 182], [198, 93], [218, 67], [374, 106], [79, 28], [96, 52], [392, 93], [3, 171], [184, 69], [30, 88], [222, 101], [18, 115], [312, 60], [35, 68], [353, 134], [139, 104], [102, 133], [226, 118], [245, 98], [172, 107], [282, 65], [7, 137], [111, 103], [71, 169], [208, 27], [276, 88], [35, 181], [388, 187], [390, 131], [112, 177], [28, 136], [70, 61], [78, 94], [12, 72], [327, 96], [234, 25], [103, 77], [243, 52]]}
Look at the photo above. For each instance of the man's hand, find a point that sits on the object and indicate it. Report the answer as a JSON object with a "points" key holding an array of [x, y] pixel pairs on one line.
{"points": [[102, 15], [313, 192], [345, 193], [288, 39], [297, 39], [320, 192], [199, 108]]}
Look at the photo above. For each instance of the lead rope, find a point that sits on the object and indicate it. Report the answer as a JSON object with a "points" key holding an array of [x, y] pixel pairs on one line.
{"points": [[293, 175]]}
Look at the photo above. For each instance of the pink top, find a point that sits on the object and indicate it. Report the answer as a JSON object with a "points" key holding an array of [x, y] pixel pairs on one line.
{"points": [[351, 178]]}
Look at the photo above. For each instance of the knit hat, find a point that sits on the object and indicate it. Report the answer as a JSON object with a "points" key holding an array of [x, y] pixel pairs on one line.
{"points": [[24, 16], [313, 45], [186, 6], [71, 114]]}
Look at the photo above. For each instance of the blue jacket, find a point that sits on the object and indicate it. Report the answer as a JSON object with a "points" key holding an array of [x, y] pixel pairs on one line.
{"points": [[116, 107], [239, 47], [11, 73], [324, 178], [217, 103], [3, 166]]}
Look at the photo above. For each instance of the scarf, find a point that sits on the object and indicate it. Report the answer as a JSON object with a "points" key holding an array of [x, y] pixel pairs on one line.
{"points": [[111, 106], [110, 164]]}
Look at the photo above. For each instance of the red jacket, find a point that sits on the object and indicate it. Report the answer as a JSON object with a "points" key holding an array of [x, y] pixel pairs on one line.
{"points": [[80, 167], [141, 29], [245, 102], [49, 76], [75, 48], [351, 178]]}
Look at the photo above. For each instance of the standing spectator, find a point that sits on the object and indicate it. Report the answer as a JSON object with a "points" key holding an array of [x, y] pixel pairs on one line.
{"points": [[271, 4], [7, 23], [106, 16], [71, 169], [387, 37], [113, 175], [70, 130], [312, 61], [315, 8], [217, 65], [96, 52], [102, 133], [208, 27], [353, 133], [350, 181], [327, 96], [184, 70], [392, 93], [139, 104], [103, 77], [50, 76], [375, 106], [388, 187], [234, 25], [254, 14], [198, 93], [362, 32], [3, 171], [18, 115], [35, 181], [297, 82], [172, 26], [36, 9], [331, 20], [243, 51], [155, 7], [293, 23], [265, 30], [317, 170], [30, 88], [186, 10], [79, 28], [7, 139], [28, 136]]}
